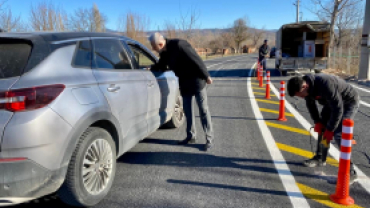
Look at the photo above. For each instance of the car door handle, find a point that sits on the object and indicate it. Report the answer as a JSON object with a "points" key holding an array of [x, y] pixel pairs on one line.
{"points": [[113, 88], [151, 84]]}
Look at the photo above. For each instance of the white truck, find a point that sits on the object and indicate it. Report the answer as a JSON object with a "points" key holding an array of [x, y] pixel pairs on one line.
{"points": [[302, 46]]}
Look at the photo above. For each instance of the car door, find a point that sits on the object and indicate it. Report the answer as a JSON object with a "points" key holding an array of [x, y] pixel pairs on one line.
{"points": [[161, 96], [125, 88]]}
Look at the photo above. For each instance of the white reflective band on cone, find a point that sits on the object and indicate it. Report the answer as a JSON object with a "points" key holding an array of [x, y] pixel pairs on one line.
{"points": [[346, 143], [347, 130], [345, 156], [282, 92]]}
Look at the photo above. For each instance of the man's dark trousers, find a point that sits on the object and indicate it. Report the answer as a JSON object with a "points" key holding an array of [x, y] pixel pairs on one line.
{"points": [[263, 63], [205, 115], [349, 112]]}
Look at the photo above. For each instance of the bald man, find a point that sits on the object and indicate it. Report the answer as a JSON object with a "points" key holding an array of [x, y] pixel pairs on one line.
{"points": [[180, 57]]}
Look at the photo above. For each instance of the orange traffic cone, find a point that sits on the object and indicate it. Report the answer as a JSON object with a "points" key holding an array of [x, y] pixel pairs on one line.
{"points": [[341, 195], [268, 85], [282, 102]]}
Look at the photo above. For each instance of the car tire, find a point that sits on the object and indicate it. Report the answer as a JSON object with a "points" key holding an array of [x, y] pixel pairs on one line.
{"points": [[89, 189], [317, 71], [178, 116]]}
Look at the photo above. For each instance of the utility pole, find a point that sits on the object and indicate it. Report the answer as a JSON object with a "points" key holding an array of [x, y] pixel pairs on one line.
{"points": [[364, 72], [297, 5]]}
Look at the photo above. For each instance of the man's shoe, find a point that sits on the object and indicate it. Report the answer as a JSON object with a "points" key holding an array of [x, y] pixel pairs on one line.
{"points": [[187, 141], [314, 162], [208, 146]]}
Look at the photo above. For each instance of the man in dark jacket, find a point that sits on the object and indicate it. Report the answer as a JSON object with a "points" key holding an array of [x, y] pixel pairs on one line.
{"points": [[263, 52], [340, 101], [179, 56]]}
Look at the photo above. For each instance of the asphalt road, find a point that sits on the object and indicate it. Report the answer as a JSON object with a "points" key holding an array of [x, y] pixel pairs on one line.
{"points": [[256, 160]]}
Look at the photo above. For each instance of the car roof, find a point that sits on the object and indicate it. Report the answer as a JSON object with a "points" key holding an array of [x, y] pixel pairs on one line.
{"points": [[60, 36]]}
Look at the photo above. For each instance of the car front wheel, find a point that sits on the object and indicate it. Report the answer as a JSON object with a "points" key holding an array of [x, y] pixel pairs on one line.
{"points": [[178, 115], [91, 170]]}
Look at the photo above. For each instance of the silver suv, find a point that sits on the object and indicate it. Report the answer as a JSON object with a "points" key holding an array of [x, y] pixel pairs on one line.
{"points": [[70, 104]]}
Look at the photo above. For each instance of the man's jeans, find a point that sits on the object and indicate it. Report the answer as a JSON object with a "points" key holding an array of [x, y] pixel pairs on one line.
{"points": [[205, 115], [263, 63], [349, 112]]}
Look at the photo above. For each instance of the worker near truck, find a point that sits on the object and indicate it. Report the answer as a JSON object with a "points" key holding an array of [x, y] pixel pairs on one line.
{"points": [[263, 52], [339, 100]]}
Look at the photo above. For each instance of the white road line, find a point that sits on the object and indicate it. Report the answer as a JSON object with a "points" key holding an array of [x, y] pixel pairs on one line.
{"points": [[365, 103], [364, 180], [295, 195], [222, 62], [362, 89], [365, 90]]}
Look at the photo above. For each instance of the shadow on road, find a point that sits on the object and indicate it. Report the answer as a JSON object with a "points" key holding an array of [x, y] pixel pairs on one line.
{"points": [[170, 142], [230, 97], [236, 188], [240, 73], [241, 118], [249, 189], [183, 159], [230, 73]]}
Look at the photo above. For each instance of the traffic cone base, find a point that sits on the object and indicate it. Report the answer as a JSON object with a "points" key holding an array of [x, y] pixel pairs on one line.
{"points": [[345, 201], [282, 119]]}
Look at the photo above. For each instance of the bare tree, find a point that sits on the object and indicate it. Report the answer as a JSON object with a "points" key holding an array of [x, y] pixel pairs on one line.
{"points": [[330, 10], [97, 19], [47, 17], [257, 36], [216, 44], [188, 23], [91, 20], [227, 39], [134, 26], [240, 32], [170, 30], [347, 21], [10, 23], [80, 20]]}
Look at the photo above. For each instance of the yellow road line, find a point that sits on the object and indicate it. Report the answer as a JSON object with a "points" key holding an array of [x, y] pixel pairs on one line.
{"points": [[273, 111], [304, 153], [288, 128], [268, 101], [259, 88], [260, 93], [255, 84], [321, 197]]}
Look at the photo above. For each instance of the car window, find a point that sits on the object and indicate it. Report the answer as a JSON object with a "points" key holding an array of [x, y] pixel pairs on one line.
{"points": [[141, 57], [109, 54], [14, 56], [83, 56]]}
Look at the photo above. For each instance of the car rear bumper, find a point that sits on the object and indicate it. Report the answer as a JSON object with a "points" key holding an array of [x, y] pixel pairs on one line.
{"points": [[24, 180]]}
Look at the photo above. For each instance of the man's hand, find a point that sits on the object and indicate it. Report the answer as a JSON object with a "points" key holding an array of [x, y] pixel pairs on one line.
{"points": [[319, 128], [328, 135], [209, 80]]}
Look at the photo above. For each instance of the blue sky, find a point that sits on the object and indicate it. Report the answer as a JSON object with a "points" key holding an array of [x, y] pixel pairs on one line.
{"points": [[270, 14]]}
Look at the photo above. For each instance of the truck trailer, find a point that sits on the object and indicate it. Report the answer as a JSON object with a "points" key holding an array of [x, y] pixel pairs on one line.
{"points": [[302, 46]]}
